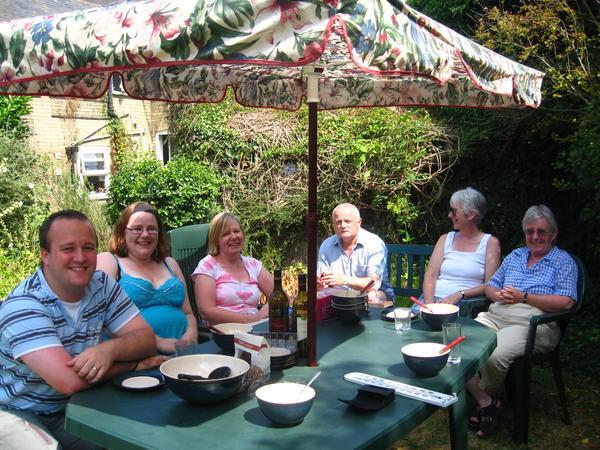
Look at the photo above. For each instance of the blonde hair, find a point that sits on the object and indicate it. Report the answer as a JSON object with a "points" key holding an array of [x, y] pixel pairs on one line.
{"points": [[216, 229]]}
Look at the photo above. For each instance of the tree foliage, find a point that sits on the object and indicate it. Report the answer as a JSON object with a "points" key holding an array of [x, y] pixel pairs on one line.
{"points": [[391, 163], [13, 109], [183, 191]]}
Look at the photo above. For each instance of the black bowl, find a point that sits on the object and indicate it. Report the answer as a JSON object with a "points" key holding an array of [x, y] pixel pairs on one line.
{"points": [[440, 314], [204, 392], [423, 358], [350, 314], [225, 339], [348, 297]]}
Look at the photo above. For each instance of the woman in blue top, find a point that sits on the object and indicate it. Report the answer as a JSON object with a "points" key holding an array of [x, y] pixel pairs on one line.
{"points": [[138, 261]]}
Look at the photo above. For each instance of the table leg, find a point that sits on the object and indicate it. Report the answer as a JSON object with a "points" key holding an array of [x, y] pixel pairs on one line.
{"points": [[458, 422]]}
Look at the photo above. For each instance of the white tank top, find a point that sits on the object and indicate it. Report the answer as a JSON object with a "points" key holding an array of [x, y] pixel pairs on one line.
{"points": [[461, 270]]}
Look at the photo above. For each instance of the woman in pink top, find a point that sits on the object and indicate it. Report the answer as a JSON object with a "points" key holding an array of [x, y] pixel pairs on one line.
{"points": [[227, 284]]}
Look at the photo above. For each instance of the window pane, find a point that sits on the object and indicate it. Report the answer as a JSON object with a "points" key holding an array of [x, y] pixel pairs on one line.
{"points": [[98, 182], [93, 165]]}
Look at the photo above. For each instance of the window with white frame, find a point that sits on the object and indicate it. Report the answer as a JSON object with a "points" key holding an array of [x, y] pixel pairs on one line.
{"points": [[164, 146], [93, 164]]}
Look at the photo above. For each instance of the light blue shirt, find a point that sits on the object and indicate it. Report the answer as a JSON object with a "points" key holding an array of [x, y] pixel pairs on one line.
{"points": [[366, 260], [554, 274], [32, 318]]}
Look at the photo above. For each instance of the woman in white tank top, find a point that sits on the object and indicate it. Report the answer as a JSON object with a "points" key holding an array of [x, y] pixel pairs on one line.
{"points": [[465, 259]]}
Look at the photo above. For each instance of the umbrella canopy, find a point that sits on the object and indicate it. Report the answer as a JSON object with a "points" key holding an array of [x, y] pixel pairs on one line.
{"points": [[380, 53], [272, 53]]}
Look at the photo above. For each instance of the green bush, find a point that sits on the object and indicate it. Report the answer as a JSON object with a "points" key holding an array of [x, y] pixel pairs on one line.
{"points": [[15, 268], [23, 193], [184, 191], [69, 193], [12, 111]]}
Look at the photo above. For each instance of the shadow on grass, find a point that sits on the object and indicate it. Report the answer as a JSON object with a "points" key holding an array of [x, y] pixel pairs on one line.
{"points": [[546, 428]]}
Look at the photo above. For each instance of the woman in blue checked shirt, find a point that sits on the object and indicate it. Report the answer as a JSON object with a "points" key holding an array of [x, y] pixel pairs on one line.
{"points": [[532, 280]]}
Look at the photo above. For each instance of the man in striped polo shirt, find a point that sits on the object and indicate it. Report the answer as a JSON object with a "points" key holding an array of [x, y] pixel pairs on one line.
{"points": [[50, 336]]}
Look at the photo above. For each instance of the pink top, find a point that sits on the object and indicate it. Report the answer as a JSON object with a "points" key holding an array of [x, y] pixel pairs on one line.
{"points": [[233, 295]]}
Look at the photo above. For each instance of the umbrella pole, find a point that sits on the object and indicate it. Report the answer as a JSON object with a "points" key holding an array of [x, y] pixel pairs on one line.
{"points": [[312, 219], [311, 232]]}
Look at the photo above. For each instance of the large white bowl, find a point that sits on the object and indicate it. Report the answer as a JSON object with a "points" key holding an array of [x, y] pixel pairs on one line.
{"points": [[204, 391], [283, 403]]}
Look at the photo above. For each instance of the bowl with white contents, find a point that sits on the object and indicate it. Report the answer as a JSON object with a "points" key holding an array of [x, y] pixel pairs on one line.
{"points": [[285, 403]]}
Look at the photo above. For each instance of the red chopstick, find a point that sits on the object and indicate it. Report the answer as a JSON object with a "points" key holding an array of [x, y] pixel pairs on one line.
{"points": [[369, 284], [458, 340], [420, 303]]}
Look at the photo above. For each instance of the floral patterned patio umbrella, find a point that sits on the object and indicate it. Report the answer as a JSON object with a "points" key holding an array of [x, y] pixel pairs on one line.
{"points": [[272, 53], [372, 53]]}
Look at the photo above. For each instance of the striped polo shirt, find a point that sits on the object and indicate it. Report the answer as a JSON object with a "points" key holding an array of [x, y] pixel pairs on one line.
{"points": [[32, 318]]}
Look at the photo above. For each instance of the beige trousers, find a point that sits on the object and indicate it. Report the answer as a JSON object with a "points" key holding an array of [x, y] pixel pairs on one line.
{"points": [[23, 430], [511, 324]]}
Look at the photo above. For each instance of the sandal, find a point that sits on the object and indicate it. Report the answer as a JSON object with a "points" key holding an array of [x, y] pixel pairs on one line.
{"points": [[474, 419], [488, 418]]}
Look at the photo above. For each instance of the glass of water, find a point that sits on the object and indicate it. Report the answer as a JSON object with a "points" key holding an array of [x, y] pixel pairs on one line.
{"points": [[402, 319], [451, 331]]}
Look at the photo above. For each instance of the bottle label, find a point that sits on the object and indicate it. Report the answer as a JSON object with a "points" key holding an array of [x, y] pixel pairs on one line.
{"points": [[279, 325], [302, 328]]}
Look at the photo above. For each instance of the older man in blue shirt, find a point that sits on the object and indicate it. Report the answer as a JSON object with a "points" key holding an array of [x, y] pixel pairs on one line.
{"points": [[354, 257]]}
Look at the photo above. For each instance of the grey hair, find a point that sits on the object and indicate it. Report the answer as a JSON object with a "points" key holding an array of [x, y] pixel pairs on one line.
{"points": [[470, 200], [349, 206], [536, 212]]}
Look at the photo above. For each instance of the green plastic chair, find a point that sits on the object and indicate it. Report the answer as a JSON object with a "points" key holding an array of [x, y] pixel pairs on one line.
{"points": [[409, 260], [519, 376], [412, 261], [188, 247]]}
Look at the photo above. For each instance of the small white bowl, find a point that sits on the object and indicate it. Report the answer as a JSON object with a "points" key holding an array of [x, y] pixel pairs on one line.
{"points": [[285, 403]]}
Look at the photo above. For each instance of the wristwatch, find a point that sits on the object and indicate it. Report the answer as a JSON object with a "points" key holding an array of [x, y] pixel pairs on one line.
{"points": [[462, 295], [525, 297]]}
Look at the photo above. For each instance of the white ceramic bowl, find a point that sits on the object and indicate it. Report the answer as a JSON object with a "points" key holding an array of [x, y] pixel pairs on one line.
{"points": [[283, 402]]}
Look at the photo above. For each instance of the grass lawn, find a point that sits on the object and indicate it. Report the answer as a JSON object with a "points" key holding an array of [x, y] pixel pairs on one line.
{"points": [[546, 428]]}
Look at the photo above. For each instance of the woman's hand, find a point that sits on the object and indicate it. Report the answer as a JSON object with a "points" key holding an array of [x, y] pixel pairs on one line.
{"points": [[189, 337], [151, 362], [165, 345], [452, 299]]}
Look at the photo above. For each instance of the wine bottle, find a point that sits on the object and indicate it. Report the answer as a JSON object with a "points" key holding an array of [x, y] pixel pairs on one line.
{"points": [[301, 315], [278, 307]]}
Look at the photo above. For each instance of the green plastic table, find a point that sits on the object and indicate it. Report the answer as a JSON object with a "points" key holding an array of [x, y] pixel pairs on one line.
{"points": [[118, 419]]}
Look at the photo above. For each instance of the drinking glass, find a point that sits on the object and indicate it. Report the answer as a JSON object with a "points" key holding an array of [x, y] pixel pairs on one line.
{"points": [[402, 319], [182, 349], [451, 331]]}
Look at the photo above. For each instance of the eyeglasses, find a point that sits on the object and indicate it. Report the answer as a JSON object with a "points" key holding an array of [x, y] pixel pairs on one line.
{"points": [[140, 230], [453, 211], [540, 232]]}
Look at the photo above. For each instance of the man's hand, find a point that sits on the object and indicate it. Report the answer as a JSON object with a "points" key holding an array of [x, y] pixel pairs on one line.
{"points": [[333, 279], [93, 363]]}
